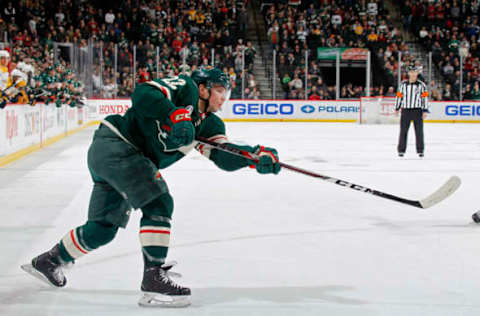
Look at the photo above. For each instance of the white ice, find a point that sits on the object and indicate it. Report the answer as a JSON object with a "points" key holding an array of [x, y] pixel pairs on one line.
{"points": [[249, 244]]}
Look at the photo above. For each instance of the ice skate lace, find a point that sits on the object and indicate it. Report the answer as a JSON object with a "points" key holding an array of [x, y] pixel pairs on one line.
{"points": [[166, 279], [57, 273]]}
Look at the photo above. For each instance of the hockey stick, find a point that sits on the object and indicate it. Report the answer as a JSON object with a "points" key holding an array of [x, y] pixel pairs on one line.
{"points": [[436, 197]]}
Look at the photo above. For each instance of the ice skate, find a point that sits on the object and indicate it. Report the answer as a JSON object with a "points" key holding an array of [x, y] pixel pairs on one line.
{"points": [[476, 217], [159, 290], [47, 267]]}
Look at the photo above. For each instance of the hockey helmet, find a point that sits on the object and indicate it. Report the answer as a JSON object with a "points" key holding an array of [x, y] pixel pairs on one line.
{"points": [[18, 73], [211, 77], [4, 53], [414, 67]]}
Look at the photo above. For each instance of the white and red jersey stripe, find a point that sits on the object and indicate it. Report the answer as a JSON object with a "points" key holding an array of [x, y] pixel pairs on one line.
{"points": [[72, 244], [205, 149], [154, 236], [164, 90]]}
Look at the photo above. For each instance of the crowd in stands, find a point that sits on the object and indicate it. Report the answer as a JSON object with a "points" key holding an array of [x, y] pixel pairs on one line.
{"points": [[28, 70], [184, 33], [294, 28], [449, 29], [154, 39], [30, 76]]}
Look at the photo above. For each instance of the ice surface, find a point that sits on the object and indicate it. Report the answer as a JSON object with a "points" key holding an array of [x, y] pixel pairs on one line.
{"points": [[249, 244]]}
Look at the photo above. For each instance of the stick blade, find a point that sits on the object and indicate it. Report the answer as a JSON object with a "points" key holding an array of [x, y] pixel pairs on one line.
{"points": [[447, 189]]}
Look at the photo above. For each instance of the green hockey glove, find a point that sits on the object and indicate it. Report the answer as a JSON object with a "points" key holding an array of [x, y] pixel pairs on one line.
{"points": [[179, 129], [268, 160]]}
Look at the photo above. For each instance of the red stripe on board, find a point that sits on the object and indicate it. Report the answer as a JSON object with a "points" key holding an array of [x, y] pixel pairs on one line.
{"points": [[155, 231], [75, 242]]}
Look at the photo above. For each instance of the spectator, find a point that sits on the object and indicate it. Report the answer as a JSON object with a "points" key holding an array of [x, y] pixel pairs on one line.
{"points": [[296, 82], [96, 79], [314, 94], [273, 35], [109, 17], [109, 89], [250, 53], [390, 92], [476, 91], [9, 13], [243, 21], [448, 94], [251, 81], [256, 93], [468, 92]]}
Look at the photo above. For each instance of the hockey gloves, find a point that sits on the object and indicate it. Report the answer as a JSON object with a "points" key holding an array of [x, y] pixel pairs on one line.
{"points": [[179, 130], [268, 160]]}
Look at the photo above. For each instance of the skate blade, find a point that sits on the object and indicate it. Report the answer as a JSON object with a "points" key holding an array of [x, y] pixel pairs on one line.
{"points": [[150, 299], [37, 274]]}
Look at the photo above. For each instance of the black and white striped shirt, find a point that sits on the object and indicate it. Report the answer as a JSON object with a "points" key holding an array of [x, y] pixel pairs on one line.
{"points": [[412, 96]]}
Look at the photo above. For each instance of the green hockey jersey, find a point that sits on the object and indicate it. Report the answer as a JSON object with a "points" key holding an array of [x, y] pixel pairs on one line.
{"points": [[152, 101]]}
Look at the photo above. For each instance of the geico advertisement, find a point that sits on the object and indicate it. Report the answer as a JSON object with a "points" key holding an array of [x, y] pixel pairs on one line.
{"points": [[344, 110], [455, 111]]}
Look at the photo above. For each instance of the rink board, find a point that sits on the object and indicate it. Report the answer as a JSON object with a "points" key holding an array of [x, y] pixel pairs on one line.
{"points": [[24, 128], [301, 111]]}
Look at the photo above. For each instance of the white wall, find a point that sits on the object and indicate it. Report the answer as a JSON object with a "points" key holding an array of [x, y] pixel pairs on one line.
{"points": [[22, 126]]}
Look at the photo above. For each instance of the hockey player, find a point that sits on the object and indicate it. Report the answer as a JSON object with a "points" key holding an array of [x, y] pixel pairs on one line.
{"points": [[16, 91], [4, 73], [124, 158]]}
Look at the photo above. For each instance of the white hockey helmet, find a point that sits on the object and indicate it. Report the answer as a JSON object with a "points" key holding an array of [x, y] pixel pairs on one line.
{"points": [[18, 73], [4, 53], [21, 65], [29, 68], [24, 67]]}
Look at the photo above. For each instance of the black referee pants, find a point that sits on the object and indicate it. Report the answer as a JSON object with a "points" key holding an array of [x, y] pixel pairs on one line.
{"points": [[408, 115]]}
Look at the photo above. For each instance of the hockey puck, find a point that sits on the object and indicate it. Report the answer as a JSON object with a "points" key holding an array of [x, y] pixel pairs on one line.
{"points": [[476, 217]]}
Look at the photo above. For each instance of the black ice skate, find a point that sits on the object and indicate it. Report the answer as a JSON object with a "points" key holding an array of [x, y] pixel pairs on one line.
{"points": [[47, 267], [159, 290], [476, 217]]}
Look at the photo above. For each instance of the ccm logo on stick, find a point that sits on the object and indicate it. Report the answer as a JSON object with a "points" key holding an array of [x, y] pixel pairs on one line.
{"points": [[262, 108], [353, 186]]}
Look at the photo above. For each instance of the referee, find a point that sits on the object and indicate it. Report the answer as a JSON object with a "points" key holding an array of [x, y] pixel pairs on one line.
{"points": [[412, 100]]}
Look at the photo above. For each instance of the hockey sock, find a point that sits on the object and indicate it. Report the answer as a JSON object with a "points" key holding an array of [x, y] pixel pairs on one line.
{"points": [[155, 229], [154, 239], [83, 239]]}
